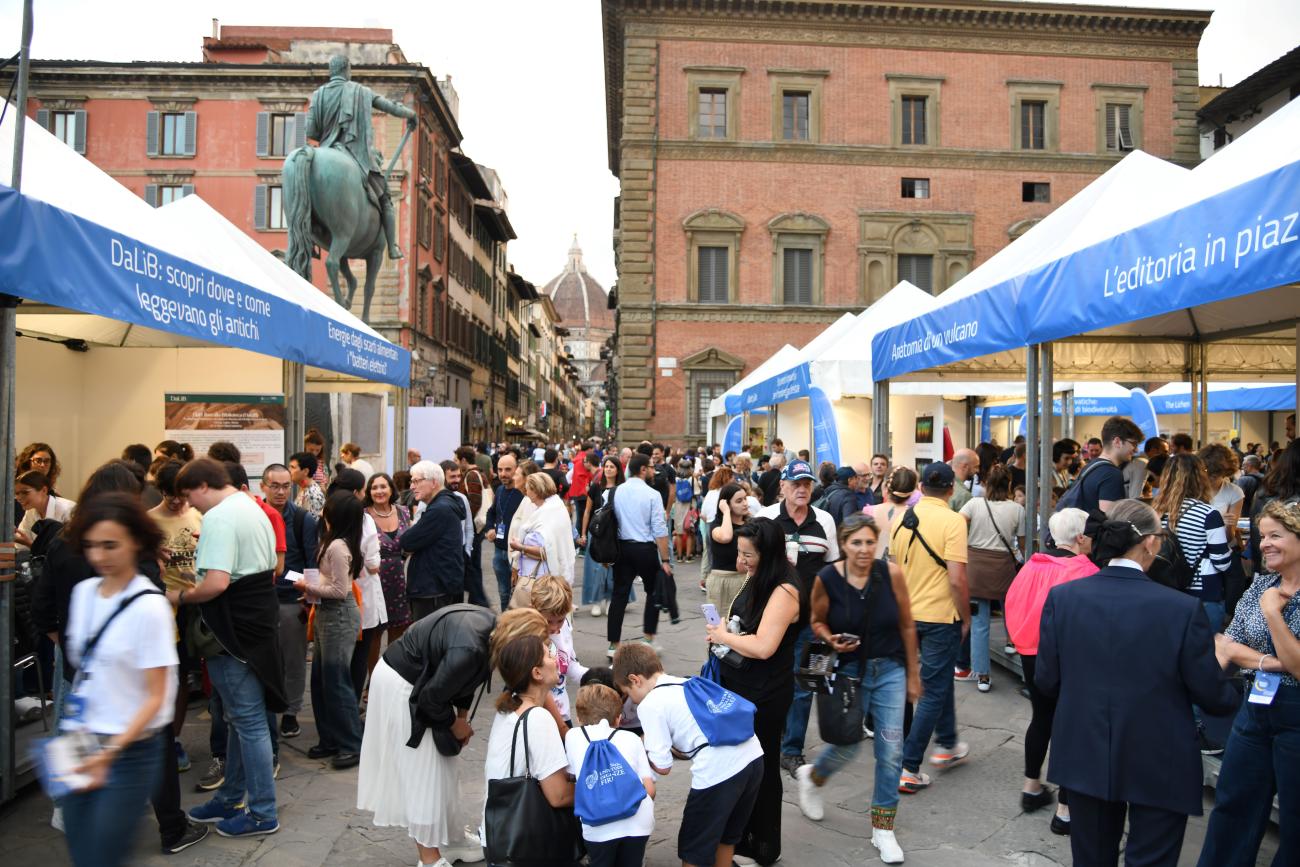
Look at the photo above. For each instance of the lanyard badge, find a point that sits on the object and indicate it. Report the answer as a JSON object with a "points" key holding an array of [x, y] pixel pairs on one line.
{"points": [[1265, 687]]}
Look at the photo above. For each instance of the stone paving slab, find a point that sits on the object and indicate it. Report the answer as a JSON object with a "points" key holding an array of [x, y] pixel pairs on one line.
{"points": [[970, 817]]}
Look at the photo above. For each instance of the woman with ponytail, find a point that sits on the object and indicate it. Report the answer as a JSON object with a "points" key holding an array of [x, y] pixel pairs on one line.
{"points": [[1123, 654]]}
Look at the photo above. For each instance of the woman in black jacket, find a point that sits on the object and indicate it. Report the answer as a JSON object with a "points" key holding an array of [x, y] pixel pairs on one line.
{"points": [[416, 723]]}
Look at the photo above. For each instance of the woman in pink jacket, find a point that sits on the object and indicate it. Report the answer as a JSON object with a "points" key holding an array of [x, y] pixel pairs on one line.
{"points": [[1024, 609]]}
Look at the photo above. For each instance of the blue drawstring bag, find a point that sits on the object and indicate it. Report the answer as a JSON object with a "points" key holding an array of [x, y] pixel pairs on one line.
{"points": [[724, 718], [608, 789]]}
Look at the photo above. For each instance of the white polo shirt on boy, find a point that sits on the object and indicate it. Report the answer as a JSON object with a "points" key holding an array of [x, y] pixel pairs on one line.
{"points": [[668, 724], [640, 823]]}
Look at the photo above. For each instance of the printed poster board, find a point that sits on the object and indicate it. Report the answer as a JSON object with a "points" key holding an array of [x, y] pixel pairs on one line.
{"points": [[253, 422]]}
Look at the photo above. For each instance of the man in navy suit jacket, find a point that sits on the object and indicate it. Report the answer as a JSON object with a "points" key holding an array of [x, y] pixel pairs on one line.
{"points": [[1128, 658]]}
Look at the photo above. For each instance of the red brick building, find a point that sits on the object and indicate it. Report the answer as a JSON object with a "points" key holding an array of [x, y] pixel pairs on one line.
{"points": [[222, 127], [782, 164]]}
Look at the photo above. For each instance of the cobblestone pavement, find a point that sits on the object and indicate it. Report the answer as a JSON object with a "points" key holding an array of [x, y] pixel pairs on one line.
{"points": [[970, 817]]}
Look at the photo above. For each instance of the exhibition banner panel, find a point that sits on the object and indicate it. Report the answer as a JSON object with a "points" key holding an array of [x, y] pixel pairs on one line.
{"points": [[1144, 414], [61, 259], [826, 435], [1262, 398], [733, 437], [1082, 406], [788, 385]]}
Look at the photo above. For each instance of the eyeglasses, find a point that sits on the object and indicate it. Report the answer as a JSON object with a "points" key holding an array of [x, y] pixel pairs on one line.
{"points": [[44, 461], [274, 487]]}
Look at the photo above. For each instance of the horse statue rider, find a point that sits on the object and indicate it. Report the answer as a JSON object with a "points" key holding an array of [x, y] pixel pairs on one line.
{"points": [[336, 194]]}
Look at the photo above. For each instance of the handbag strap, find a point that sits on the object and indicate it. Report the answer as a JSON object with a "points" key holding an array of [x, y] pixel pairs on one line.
{"points": [[88, 649], [481, 690], [514, 742], [998, 530]]}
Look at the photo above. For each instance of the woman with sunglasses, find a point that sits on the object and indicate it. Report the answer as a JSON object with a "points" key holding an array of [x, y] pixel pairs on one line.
{"points": [[861, 608]]}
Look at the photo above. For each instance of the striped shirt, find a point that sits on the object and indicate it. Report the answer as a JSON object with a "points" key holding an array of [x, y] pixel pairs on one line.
{"points": [[1204, 540]]}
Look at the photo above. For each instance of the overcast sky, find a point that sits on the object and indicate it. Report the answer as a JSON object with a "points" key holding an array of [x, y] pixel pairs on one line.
{"points": [[530, 76]]}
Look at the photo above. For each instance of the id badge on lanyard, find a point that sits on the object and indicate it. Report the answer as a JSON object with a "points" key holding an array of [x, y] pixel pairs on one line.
{"points": [[1265, 687]]}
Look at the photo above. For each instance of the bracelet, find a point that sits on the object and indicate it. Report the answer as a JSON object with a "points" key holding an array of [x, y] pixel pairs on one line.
{"points": [[1262, 657]]}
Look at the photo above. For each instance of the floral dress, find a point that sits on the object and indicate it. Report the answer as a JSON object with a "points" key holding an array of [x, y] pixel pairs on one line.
{"points": [[392, 575]]}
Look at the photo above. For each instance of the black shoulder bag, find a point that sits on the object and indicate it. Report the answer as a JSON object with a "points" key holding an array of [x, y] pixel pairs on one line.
{"points": [[913, 523], [839, 709], [523, 829]]}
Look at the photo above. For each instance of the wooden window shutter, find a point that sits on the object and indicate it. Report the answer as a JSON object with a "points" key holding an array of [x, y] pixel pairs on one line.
{"points": [[43, 117], [299, 130], [187, 190], [191, 132], [259, 207], [151, 194], [1112, 113], [1124, 138], [263, 133], [79, 137], [151, 134], [798, 276]]}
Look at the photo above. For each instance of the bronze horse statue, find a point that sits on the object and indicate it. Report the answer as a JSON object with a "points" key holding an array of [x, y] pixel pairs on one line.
{"points": [[326, 207]]}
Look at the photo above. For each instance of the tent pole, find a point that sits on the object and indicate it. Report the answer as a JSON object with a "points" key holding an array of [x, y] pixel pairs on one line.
{"points": [[1204, 401], [8, 397], [1297, 384], [1031, 444], [295, 407], [880, 420], [1045, 447], [1067, 413], [401, 425]]}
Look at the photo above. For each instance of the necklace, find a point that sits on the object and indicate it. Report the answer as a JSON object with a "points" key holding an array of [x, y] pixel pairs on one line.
{"points": [[379, 514]]}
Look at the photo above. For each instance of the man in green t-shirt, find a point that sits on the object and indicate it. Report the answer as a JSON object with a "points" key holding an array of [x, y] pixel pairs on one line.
{"points": [[237, 546]]}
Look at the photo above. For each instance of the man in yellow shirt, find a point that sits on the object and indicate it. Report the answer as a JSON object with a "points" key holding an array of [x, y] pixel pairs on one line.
{"points": [[929, 543]]}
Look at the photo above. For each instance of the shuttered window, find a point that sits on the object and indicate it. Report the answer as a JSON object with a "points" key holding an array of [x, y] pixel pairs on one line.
{"points": [[268, 207], [1033, 115], [68, 127], [913, 132], [713, 277], [917, 270], [797, 276], [1119, 136], [794, 116], [158, 195], [706, 386], [171, 134], [713, 113]]}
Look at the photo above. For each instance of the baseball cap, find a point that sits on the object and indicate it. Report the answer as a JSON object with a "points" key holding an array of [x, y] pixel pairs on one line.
{"points": [[843, 474], [937, 475], [796, 470]]}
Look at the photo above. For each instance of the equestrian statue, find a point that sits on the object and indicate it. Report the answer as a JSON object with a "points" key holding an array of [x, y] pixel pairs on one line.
{"points": [[336, 193]]}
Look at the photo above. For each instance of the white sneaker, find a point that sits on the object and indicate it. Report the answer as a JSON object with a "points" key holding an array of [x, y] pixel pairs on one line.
{"points": [[810, 797], [595, 610], [469, 852], [441, 862], [56, 819], [890, 851]]}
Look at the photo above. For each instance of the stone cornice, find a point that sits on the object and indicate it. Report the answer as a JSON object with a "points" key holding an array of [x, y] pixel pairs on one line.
{"points": [[883, 155]]}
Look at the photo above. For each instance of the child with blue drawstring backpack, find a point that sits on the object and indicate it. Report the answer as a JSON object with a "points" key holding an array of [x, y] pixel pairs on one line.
{"points": [[614, 787], [698, 720]]}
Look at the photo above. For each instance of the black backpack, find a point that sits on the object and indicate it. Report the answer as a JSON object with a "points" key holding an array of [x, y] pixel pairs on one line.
{"points": [[1170, 567], [602, 533]]}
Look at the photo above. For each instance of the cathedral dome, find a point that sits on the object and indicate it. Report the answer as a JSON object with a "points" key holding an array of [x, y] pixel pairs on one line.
{"points": [[579, 300]]}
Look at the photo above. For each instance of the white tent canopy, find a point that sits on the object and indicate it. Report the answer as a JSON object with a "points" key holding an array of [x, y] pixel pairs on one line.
{"points": [[844, 366], [778, 361]]}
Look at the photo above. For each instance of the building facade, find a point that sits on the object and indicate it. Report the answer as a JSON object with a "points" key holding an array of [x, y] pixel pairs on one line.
{"points": [[782, 164], [1230, 112], [221, 129]]}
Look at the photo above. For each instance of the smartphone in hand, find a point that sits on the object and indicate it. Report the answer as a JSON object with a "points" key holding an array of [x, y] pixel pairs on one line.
{"points": [[711, 613], [849, 638]]}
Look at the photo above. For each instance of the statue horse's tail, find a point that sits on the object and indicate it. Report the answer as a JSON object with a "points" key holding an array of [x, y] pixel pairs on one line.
{"points": [[297, 209]]}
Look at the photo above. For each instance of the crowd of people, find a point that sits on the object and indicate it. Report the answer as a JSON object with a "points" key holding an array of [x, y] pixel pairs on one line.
{"points": [[1163, 595]]}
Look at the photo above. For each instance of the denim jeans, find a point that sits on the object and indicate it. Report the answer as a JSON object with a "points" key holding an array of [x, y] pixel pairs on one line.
{"points": [[796, 720], [884, 692], [597, 582], [219, 731], [979, 636], [248, 745], [935, 713], [333, 696], [501, 566], [102, 823], [1262, 757]]}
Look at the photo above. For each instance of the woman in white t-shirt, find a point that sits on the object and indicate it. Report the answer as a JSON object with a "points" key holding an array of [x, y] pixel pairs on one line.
{"points": [[121, 638], [529, 672]]}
